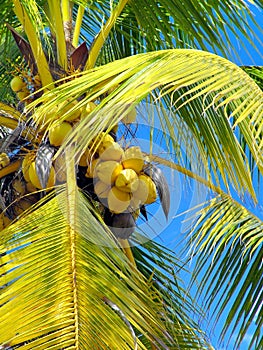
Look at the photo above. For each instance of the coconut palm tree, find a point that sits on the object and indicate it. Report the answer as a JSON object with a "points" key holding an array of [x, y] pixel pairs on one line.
{"points": [[76, 269]]}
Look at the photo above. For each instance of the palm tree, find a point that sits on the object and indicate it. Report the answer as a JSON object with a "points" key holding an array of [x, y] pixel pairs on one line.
{"points": [[75, 271]]}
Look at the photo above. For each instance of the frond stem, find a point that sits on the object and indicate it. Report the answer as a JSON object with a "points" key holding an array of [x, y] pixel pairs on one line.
{"points": [[123, 317], [55, 12], [103, 34], [71, 207], [35, 43], [67, 19], [78, 24], [185, 171]]}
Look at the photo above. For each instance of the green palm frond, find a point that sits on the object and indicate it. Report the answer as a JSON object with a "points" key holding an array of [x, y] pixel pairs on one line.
{"points": [[231, 236], [167, 24], [220, 90], [189, 25], [256, 73]]}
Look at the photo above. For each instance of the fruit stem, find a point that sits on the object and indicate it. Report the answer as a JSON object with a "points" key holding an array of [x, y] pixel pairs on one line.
{"points": [[128, 252], [11, 168]]}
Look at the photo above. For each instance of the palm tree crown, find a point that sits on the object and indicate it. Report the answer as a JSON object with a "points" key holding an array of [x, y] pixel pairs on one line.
{"points": [[77, 271]]}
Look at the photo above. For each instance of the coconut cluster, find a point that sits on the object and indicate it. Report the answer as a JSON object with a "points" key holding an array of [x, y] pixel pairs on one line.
{"points": [[112, 176], [24, 87], [118, 177], [18, 189]]}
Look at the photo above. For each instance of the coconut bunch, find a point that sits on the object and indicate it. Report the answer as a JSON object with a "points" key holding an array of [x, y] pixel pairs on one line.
{"points": [[118, 181], [122, 181], [25, 85], [18, 192]]}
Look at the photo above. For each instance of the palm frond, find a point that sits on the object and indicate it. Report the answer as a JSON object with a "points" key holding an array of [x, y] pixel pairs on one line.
{"points": [[230, 236], [167, 24], [256, 73], [58, 263], [222, 91]]}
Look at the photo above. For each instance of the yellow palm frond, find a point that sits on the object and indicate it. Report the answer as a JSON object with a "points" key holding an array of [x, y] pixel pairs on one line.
{"points": [[55, 12], [34, 41], [61, 275], [221, 91]]}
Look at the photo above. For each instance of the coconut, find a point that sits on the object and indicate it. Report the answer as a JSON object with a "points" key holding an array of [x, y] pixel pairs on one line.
{"points": [[58, 133], [28, 159], [85, 158], [17, 84], [118, 201], [66, 107], [146, 191], [35, 180], [90, 106], [133, 159], [108, 171], [101, 189], [110, 151], [127, 180]]}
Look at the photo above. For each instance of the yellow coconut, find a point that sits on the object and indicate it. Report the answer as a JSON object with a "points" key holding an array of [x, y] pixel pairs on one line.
{"points": [[146, 191], [58, 133], [130, 117], [66, 108], [127, 180], [21, 95], [90, 106], [135, 203], [118, 201], [101, 189], [101, 142], [4, 160], [133, 159], [111, 151], [35, 180], [108, 171], [17, 84], [28, 159]]}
